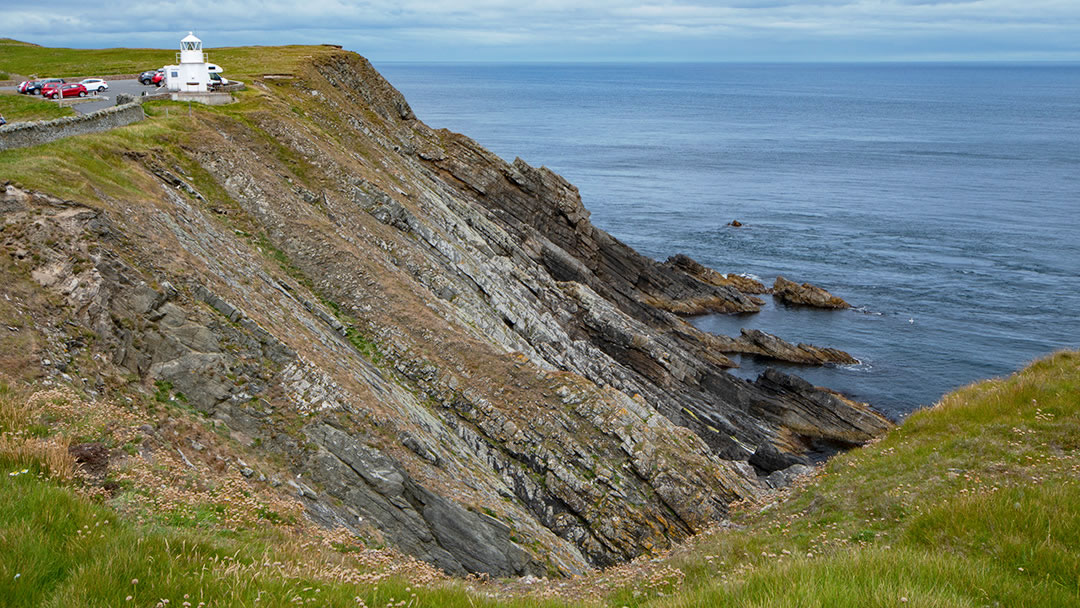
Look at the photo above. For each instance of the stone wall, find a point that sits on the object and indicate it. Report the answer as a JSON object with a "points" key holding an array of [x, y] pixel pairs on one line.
{"points": [[22, 135]]}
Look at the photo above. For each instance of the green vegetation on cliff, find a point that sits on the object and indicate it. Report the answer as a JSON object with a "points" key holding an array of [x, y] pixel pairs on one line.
{"points": [[17, 108], [44, 62], [970, 503]]}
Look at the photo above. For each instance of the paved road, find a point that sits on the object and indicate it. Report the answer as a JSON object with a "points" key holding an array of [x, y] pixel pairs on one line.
{"points": [[108, 98]]}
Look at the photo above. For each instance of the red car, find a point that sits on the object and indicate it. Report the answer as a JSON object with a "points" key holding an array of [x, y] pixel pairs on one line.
{"points": [[157, 78], [58, 90]]}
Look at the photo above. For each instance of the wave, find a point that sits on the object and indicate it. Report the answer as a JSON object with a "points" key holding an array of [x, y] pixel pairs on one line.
{"points": [[866, 311]]}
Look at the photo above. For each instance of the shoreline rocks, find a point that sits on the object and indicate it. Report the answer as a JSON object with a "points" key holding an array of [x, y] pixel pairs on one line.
{"points": [[687, 265], [806, 295]]}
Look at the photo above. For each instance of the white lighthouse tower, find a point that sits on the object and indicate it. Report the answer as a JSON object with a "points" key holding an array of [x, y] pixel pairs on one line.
{"points": [[192, 75]]}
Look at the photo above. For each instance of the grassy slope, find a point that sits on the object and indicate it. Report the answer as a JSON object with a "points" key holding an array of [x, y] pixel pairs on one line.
{"points": [[971, 503], [16, 108], [974, 502], [237, 62]]}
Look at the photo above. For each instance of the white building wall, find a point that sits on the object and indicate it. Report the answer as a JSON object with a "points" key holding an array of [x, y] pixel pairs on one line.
{"points": [[187, 77], [194, 78]]}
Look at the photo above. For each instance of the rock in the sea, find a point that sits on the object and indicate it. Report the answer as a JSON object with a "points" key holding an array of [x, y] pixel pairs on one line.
{"points": [[757, 342], [688, 265], [806, 295]]}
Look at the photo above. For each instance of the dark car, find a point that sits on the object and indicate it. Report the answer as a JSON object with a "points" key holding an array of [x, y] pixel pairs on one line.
{"points": [[34, 87], [58, 90], [147, 76]]}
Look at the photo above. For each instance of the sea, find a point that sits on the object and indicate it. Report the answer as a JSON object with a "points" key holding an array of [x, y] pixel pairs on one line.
{"points": [[941, 200]]}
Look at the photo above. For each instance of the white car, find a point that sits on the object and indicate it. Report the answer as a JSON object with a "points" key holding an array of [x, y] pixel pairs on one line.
{"points": [[95, 85]]}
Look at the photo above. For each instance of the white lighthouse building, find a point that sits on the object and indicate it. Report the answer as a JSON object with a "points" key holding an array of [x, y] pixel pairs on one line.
{"points": [[192, 75]]}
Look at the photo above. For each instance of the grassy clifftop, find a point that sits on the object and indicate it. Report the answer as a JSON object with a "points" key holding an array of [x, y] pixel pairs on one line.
{"points": [[17, 108], [970, 503], [26, 59]]}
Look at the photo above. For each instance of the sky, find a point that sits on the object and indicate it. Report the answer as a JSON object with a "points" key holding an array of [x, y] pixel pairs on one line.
{"points": [[577, 30]]}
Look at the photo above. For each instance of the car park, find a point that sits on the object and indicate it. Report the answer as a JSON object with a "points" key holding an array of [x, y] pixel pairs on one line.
{"points": [[95, 85], [34, 87], [58, 90]]}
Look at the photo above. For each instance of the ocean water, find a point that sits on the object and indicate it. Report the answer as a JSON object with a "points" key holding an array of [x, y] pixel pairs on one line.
{"points": [[942, 201]]}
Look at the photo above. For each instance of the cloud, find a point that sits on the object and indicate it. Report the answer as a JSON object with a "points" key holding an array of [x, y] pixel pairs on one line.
{"points": [[564, 29]]}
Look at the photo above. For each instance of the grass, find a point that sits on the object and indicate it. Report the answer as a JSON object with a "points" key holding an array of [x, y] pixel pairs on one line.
{"points": [[64, 546], [65, 167], [19, 108], [238, 62], [43, 62], [970, 503]]}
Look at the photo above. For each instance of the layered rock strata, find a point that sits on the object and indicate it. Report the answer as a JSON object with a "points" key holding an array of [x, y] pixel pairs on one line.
{"points": [[806, 295], [438, 346]]}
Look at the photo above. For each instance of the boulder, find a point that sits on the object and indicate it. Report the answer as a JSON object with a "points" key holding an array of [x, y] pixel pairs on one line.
{"points": [[806, 295], [687, 265]]}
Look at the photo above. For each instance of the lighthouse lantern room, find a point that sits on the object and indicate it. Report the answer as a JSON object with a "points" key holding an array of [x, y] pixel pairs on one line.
{"points": [[192, 75]]}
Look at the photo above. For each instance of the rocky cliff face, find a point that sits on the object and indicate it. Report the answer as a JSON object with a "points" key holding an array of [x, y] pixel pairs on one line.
{"points": [[437, 347]]}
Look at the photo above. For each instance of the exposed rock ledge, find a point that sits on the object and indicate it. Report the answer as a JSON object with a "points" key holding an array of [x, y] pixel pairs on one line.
{"points": [[806, 295], [757, 342], [686, 264], [438, 342]]}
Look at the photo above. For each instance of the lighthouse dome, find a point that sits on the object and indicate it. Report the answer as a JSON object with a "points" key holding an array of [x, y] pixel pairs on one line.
{"points": [[191, 50]]}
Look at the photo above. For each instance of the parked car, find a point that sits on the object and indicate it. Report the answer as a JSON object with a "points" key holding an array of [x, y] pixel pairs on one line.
{"points": [[22, 86], [95, 85], [34, 87], [158, 77], [58, 90], [147, 76], [217, 80]]}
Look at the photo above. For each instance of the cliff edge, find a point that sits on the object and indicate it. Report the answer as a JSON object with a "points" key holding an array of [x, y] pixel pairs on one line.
{"points": [[426, 345]]}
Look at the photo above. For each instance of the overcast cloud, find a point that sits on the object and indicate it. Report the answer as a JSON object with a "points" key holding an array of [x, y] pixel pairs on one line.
{"points": [[563, 30]]}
